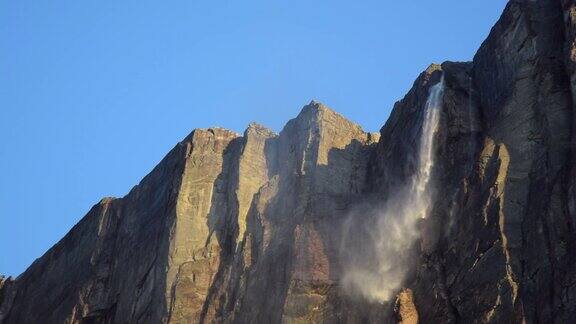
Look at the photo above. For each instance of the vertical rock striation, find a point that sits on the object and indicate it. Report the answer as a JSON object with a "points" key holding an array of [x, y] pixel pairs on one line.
{"points": [[257, 228]]}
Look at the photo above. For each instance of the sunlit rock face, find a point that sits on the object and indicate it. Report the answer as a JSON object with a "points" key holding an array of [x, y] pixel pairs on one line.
{"points": [[267, 228]]}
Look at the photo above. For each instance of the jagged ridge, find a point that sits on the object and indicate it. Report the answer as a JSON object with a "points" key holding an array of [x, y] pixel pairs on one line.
{"points": [[231, 228]]}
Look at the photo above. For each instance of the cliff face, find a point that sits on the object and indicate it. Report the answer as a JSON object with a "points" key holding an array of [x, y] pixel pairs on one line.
{"points": [[262, 227]]}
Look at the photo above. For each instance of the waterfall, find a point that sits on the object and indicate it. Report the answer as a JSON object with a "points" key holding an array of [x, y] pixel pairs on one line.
{"points": [[420, 193], [378, 271]]}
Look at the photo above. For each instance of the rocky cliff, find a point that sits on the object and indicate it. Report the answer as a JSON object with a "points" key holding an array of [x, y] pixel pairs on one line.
{"points": [[263, 227]]}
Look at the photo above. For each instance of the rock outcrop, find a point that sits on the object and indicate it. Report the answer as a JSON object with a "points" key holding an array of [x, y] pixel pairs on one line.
{"points": [[250, 228]]}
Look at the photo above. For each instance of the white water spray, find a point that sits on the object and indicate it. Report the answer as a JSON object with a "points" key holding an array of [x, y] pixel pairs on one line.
{"points": [[378, 271]]}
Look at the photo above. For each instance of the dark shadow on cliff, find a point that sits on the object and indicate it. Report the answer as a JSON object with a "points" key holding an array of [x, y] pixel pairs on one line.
{"points": [[222, 222]]}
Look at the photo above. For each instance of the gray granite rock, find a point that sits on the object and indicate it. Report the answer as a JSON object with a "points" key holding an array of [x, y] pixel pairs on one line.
{"points": [[250, 228]]}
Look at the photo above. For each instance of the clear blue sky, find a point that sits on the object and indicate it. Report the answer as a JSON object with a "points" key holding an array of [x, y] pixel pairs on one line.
{"points": [[94, 93]]}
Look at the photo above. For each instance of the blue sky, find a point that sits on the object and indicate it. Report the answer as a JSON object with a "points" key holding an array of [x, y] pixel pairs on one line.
{"points": [[94, 93]]}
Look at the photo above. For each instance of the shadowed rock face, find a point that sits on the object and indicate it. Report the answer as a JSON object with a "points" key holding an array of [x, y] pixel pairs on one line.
{"points": [[250, 229]]}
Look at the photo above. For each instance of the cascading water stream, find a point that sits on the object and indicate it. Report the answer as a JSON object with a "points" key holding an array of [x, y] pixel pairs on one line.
{"points": [[396, 228], [420, 191]]}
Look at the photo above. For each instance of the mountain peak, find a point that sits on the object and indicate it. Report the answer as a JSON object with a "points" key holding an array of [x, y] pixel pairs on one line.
{"points": [[320, 113], [326, 223], [217, 132], [255, 128], [315, 105], [433, 68]]}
